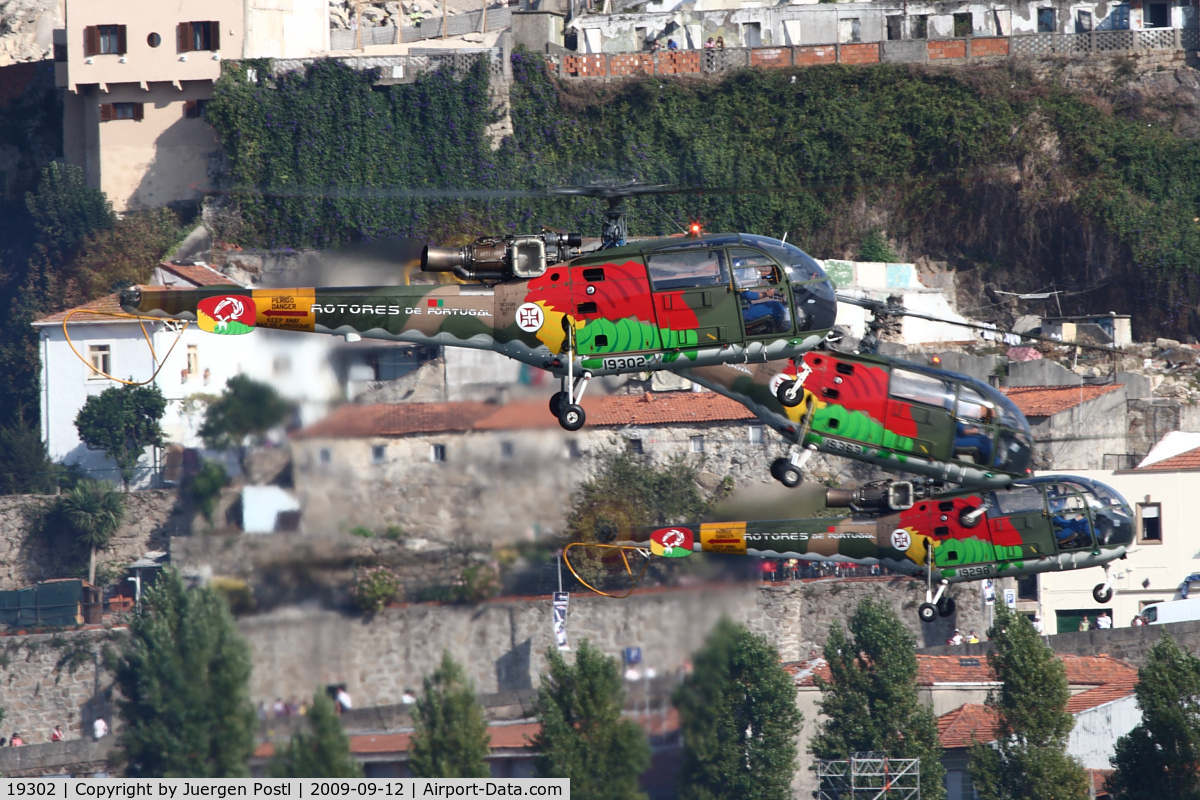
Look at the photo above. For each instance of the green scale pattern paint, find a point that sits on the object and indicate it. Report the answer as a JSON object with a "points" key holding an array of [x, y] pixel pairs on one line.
{"points": [[630, 335], [838, 421]]}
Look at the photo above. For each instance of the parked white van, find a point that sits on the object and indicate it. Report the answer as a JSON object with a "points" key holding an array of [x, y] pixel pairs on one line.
{"points": [[1172, 611]]}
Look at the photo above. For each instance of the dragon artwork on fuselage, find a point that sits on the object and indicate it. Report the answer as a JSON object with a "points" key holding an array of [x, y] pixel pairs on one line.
{"points": [[1044, 524]]}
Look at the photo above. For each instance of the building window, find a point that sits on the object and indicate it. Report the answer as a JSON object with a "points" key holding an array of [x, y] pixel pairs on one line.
{"points": [[112, 111], [378, 453], [154, 40], [573, 451], [326, 456], [195, 109], [963, 25], [895, 27], [193, 360], [506, 449], [1150, 523], [199, 36], [437, 453], [1158, 15], [100, 357], [1083, 21], [104, 40], [60, 54], [920, 26], [755, 434], [697, 444], [1046, 20], [635, 447], [1027, 588]]}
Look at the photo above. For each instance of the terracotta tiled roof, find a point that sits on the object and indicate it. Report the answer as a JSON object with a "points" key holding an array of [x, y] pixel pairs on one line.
{"points": [[1188, 460], [1045, 401], [503, 737], [1100, 781], [932, 670], [109, 304], [200, 275], [968, 724], [1101, 695], [397, 419], [405, 418], [660, 408]]}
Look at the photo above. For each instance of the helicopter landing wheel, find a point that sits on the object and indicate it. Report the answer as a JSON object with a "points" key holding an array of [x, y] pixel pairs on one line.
{"points": [[556, 401], [927, 612], [571, 417], [787, 473], [946, 606], [1102, 593], [789, 394]]}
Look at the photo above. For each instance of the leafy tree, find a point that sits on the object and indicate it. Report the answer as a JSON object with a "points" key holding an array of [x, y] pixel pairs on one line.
{"points": [[1160, 758], [206, 485], [875, 247], [871, 701], [739, 720], [124, 254], [246, 408], [25, 469], [65, 210], [583, 735], [123, 422], [183, 679], [1029, 758], [451, 738], [324, 753], [93, 511]]}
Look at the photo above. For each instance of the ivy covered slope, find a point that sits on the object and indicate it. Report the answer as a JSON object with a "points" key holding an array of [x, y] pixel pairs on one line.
{"points": [[983, 166]]}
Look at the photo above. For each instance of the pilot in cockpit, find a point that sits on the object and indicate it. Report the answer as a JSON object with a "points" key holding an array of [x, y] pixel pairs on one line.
{"points": [[761, 308]]}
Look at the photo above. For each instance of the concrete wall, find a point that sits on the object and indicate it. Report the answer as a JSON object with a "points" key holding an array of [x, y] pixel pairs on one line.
{"points": [[287, 29], [1080, 437]]}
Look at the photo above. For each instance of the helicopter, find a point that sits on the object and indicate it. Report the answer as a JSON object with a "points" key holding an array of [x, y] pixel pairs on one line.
{"points": [[741, 314], [1043, 524]]}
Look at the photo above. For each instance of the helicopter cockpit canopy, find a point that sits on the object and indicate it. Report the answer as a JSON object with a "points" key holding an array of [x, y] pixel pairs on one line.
{"points": [[1072, 498], [814, 296]]}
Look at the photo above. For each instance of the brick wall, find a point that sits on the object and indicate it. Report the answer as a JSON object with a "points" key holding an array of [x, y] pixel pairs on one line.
{"points": [[811, 56], [589, 66], [949, 48], [630, 64], [679, 63], [860, 53], [771, 57], [989, 47]]}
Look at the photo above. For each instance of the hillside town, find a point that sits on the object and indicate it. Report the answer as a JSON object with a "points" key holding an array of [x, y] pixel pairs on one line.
{"points": [[376, 491]]}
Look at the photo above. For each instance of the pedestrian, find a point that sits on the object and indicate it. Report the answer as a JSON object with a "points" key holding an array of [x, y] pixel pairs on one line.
{"points": [[1138, 621], [57, 735], [671, 45], [720, 42], [1104, 621], [956, 639], [972, 638], [343, 698], [710, 44], [1085, 624], [1037, 624], [408, 698], [262, 711], [99, 729], [278, 710], [16, 741]]}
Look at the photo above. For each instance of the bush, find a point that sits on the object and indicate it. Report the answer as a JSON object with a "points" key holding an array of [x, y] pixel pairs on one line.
{"points": [[374, 589], [477, 583], [205, 488], [875, 247], [394, 533], [362, 532]]}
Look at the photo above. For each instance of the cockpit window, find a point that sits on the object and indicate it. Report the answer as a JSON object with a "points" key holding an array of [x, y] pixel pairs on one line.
{"points": [[972, 406], [921, 388], [814, 297], [683, 269], [1017, 500]]}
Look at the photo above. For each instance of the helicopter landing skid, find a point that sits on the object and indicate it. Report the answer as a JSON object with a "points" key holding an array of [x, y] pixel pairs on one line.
{"points": [[935, 604]]}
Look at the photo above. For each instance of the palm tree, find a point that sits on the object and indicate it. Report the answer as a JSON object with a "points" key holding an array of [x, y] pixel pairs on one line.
{"points": [[93, 510]]}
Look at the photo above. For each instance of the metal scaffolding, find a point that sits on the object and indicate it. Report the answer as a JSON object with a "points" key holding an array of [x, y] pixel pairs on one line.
{"points": [[868, 776]]}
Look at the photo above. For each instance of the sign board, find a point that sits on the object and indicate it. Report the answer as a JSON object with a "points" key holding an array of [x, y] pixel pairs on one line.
{"points": [[989, 592], [1010, 598], [560, 619]]}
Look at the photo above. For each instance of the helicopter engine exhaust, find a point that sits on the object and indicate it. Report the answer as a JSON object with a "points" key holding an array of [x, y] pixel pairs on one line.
{"points": [[499, 258], [883, 496]]}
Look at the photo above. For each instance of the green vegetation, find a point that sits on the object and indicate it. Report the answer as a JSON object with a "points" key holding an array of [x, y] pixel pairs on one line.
{"points": [[1029, 758], [123, 422], [323, 753], [875, 247], [983, 166], [450, 739], [374, 589], [583, 735], [183, 679], [739, 720], [246, 408], [1160, 758], [25, 469], [92, 511], [205, 487], [65, 210], [871, 702]]}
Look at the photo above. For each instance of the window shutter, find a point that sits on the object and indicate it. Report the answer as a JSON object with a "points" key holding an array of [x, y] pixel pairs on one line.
{"points": [[91, 40], [183, 37], [216, 35], [189, 109], [121, 49], [138, 112], [106, 112]]}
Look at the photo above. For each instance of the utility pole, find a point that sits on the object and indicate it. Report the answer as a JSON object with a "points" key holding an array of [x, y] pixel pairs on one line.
{"points": [[445, 16]]}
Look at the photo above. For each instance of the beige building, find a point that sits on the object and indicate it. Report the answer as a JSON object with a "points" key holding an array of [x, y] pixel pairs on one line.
{"points": [[139, 76]]}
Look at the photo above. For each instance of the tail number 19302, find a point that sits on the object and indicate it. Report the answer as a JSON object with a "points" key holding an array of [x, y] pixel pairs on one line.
{"points": [[625, 362]]}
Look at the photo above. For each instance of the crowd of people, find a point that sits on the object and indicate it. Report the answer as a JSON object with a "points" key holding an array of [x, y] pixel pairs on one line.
{"points": [[99, 731], [793, 569], [712, 44]]}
